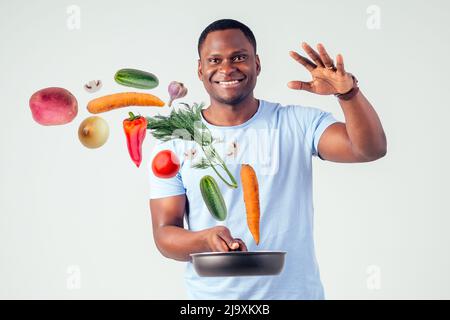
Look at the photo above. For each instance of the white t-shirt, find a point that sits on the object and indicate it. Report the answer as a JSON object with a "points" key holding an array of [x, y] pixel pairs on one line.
{"points": [[278, 142]]}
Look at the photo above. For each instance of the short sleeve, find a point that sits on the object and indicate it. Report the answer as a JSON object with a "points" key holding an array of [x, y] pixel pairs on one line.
{"points": [[320, 122], [160, 187], [313, 122]]}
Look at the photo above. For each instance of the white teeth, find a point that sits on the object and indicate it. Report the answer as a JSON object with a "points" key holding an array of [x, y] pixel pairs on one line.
{"points": [[228, 83]]}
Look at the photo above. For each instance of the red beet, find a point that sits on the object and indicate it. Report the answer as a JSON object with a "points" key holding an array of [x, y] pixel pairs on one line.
{"points": [[53, 106]]}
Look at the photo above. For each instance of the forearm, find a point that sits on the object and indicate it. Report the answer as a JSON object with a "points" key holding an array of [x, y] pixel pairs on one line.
{"points": [[364, 127], [177, 243]]}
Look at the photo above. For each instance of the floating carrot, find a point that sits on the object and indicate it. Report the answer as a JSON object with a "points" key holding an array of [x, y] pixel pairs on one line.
{"points": [[124, 99], [251, 199]]}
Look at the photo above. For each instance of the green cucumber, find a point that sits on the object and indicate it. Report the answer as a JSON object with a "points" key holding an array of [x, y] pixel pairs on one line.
{"points": [[213, 198], [136, 79]]}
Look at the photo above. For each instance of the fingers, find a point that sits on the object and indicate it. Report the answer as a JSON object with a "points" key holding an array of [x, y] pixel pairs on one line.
{"points": [[219, 245], [340, 64], [327, 61], [300, 85], [228, 240], [313, 55], [302, 60], [242, 246], [220, 240]]}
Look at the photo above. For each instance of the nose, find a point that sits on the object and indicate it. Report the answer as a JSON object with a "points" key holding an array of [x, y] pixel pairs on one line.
{"points": [[226, 67]]}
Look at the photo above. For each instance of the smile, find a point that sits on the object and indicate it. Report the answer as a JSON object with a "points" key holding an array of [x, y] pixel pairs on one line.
{"points": [[229, 84]]}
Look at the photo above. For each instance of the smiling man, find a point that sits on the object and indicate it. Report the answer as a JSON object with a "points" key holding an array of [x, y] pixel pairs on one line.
{"points": [[228, 66]]}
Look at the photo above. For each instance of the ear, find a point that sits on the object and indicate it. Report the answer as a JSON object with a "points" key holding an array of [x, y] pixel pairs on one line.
{"points": [[199, 70], [258, 65]]}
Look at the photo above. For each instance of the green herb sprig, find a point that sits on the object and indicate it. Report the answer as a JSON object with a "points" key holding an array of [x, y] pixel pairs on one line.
{"points": [[186, 124]]}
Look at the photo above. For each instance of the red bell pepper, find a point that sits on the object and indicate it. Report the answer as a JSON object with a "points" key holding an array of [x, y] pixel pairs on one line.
{"points": [[135, 128]]}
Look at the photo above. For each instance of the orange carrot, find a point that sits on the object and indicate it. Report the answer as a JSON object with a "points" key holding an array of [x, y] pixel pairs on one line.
{"points": [[124, 99], [251, 199]]}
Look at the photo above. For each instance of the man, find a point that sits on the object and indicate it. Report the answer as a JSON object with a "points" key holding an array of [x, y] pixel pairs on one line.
{"points": [[228, 66]]}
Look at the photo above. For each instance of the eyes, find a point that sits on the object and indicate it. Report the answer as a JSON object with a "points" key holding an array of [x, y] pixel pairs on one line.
{"points": [[237, 58]]}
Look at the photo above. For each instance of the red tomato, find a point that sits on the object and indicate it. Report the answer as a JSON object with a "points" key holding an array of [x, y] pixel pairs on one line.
{"points": [[165, 164]]}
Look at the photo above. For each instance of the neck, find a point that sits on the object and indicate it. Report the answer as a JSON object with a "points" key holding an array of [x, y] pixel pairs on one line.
{"points": [[221, 114]]}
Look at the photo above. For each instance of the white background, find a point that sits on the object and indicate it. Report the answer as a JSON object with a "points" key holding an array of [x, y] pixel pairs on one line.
{"points": [[382, 228]]}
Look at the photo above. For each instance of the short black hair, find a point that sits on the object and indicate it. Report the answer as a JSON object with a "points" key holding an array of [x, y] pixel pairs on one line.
{"points": [[225, 24]]}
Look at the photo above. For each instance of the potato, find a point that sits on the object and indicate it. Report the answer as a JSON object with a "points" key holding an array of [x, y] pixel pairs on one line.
{"points": [[93, 132], [53, 106]]}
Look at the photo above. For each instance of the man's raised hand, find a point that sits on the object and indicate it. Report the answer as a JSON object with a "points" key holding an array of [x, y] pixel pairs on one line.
{"points": [[327, 78]]}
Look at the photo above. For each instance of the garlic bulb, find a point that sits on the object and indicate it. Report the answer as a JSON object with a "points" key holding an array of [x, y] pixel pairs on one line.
{"points": [[176, 90]]}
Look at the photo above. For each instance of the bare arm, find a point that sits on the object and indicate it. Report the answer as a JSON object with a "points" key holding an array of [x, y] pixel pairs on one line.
{"points": [[361, 138], [364, 128], [175, 242]]}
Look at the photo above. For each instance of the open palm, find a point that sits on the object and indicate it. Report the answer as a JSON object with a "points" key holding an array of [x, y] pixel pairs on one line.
{"points": [[326, 78]]}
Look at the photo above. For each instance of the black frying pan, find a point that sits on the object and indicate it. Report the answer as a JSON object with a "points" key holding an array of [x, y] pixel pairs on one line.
{"points": [[238, 263]]}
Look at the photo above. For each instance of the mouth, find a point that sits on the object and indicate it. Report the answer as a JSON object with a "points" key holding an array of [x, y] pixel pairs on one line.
{"points": [[230, 83]]}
